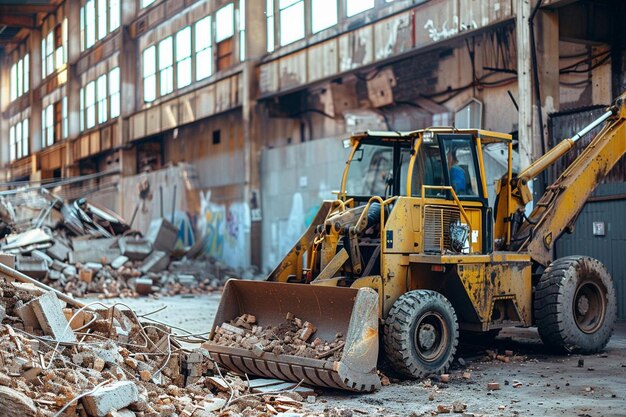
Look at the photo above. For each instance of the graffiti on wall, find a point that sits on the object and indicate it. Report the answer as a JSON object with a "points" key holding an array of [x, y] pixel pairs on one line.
{"points": [[224, 230]]}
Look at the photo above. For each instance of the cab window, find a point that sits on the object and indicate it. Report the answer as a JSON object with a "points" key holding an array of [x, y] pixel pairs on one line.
{"points": [[428, 170], [461, 166]]}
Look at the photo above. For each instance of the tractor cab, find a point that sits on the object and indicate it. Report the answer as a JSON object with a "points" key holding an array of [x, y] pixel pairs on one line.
{"points": [[442, 168]]}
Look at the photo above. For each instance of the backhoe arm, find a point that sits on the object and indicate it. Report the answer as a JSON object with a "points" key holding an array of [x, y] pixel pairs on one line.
{"points": [[564, 199]]}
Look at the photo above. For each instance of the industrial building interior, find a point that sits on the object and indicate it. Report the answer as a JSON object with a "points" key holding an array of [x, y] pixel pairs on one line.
{"points": [[150, 150]]}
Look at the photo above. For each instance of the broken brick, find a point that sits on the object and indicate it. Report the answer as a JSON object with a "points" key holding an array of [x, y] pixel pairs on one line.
{"points": [[493, 386]]}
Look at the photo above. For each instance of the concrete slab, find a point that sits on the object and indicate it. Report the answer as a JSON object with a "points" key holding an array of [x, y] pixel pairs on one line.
{"points": [[49, 312], [113, 397]]}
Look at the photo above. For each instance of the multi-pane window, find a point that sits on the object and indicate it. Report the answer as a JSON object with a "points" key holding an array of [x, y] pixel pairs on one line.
{"points": [[354, 7], [323, 14], [47, 126], [102, 19], [242, 30], [54, 49], [224, 32], [18, 140], [149, 74], [191, 54], [102, 98], [114, 15], [291, 20], [90, 105], [98, 18], [19, 78], [166, 66], [89, 11], [81, 99], [204, 52], [64, 113], [269, 13], [54, 123], [225, 23], [114, 92], [183, 57]]}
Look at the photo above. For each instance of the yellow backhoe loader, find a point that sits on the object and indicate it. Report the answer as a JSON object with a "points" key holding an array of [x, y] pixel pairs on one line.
{"points": [[411, 253]]}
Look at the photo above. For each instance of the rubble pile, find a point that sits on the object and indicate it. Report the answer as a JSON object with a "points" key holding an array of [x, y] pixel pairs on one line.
{"points": [[81, 248], [97, 361], [291, 337]]}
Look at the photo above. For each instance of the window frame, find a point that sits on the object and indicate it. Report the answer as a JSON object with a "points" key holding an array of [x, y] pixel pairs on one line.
{"points": [[152, 76], [290, 7], [165, 63], [322, 5], [199, 51], [182, 61]]}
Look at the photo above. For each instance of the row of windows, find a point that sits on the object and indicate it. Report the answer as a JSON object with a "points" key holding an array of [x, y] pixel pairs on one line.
{"points": [[54, 49], [324, 14], [100, 100], [186, 56], [18, 140], [20, 77], [54, 126], [98, 18]]}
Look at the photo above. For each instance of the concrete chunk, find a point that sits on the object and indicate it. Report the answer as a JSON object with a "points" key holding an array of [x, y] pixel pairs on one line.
{"points": [[28, 316], [156, 262], [51, 318], [15, 403], [111, 398], [119, 262]]}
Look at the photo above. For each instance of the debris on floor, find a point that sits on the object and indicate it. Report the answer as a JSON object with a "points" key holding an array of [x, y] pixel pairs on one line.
{"points": [[83, 249], [291, 337], [97, 361]]}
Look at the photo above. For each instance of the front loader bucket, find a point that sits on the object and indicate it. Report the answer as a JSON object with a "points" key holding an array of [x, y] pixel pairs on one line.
{"points": [[352, 312]]}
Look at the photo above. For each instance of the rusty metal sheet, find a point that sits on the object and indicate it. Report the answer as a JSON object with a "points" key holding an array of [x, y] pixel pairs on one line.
{"points": [[292, 70], [153, 120], [186, 108], [205, 101], [268, 77], [169, 115], [222, 95], [475, 14], [323, 60], [137, 125], [436, 21], [356, 48], [393, 36]]}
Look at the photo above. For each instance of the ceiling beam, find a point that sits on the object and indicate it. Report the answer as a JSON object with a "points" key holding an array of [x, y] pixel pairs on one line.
{"points": [[26, 8], [19, 20]]}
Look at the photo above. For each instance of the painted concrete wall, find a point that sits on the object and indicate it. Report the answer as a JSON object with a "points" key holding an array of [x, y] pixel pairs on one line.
{"points": [[295, 180]]}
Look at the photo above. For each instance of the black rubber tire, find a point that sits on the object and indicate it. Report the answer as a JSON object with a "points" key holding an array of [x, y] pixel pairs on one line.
{"points": [[411, 309], [561, 320]]}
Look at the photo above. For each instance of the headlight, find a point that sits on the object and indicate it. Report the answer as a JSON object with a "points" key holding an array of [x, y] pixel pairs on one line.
{"points": [[347, 143]]}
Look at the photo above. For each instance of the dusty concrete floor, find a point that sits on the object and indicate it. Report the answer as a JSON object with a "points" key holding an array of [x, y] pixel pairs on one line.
{"points": [[551, 385]]}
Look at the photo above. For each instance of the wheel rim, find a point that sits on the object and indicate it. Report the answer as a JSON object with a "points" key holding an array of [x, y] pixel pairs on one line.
{"points": [[431, 336], [589, 307]]}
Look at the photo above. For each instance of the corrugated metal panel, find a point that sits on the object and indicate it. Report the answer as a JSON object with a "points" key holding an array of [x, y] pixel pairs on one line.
{"points": [[609, 249], [566, 125]]}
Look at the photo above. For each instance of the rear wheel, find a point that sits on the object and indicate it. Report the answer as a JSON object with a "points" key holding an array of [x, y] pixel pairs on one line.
{"points": [[421, 334], [575, 305]]}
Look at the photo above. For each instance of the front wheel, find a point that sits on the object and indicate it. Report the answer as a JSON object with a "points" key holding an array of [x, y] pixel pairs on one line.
{"points": [[421, 334], [575, 305]]}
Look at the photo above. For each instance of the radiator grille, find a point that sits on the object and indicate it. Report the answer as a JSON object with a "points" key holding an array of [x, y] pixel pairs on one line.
{"points": [[437, 227]]}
